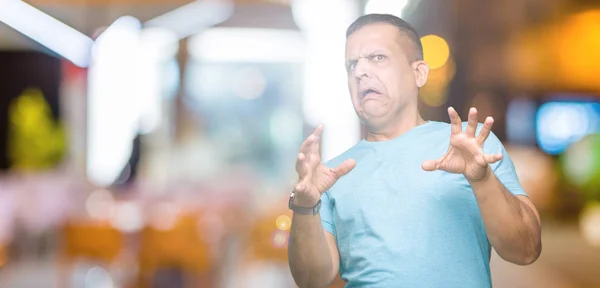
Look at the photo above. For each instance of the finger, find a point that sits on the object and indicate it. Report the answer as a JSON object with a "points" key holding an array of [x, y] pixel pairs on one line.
{"points": [[300, 187], [301, 165], [315, 148], [485, 130], [306, 145], [472, 126], [431, 165], [344, 168], [318, 131], [455, 121], [492, 158]]}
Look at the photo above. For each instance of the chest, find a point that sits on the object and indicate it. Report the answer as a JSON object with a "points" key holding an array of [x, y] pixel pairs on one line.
{"points": [[397, 189]]}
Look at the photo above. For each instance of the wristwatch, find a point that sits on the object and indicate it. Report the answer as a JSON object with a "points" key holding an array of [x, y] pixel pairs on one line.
{"points": [[303, 210]]}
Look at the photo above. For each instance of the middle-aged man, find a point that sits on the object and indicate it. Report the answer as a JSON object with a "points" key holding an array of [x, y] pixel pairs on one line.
{"points": [[383, 213]]}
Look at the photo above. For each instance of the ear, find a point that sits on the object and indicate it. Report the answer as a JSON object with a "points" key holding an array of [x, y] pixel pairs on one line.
{"points": [[421, 70]]}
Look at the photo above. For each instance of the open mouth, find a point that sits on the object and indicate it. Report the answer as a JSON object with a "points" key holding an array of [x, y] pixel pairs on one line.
{"points": [[369, 93]]}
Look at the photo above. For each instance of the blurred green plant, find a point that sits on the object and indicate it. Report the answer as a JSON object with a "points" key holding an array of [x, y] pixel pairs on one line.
{"points": [[35, 141], [581, 165]]}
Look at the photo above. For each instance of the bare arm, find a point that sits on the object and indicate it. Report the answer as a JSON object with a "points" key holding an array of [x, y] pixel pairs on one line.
{"points": [[312, 252], [511, 222]]}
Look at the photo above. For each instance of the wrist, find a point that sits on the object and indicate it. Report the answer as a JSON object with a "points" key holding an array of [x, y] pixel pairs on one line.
{"points": [[303, 206], [304, 201], [484, 178]]}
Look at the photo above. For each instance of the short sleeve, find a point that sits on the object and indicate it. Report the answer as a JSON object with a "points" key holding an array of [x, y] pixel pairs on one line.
{"points": [[327, 213], [503, 169]]}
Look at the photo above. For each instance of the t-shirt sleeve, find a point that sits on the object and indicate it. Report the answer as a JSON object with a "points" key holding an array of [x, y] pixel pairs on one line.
{"points": [[503, 169], [327, 213]]}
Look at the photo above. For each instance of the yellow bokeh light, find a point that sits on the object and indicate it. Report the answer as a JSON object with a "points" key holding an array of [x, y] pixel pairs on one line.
{"points": [[435, 92], [435, 51], [576, 44], [283, 222], [557, 56]]}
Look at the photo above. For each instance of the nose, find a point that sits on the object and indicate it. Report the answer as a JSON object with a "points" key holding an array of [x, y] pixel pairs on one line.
{"points": [[362, 69]]}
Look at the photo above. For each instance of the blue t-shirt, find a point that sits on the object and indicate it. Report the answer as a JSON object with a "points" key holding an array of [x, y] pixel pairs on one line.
{"points": [[397, 225]]}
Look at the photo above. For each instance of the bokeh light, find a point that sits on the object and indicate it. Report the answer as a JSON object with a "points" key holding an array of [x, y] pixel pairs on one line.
{"points": [[590, 224], [581, 164], [279, 238], [576, 46], [435, 51], [283, 222], [98, 277], [128, 217], [100, 204], [559, 124], [558, 56], [434, 93]]}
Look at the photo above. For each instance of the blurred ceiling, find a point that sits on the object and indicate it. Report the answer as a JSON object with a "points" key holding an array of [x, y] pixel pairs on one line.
{"points": [[87, 16]]}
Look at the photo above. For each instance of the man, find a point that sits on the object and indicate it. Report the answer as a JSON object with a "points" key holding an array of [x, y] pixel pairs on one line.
{"points": [[382, 213]]}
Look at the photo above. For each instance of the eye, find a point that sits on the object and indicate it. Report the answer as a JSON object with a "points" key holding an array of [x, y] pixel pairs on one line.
{"points": [[378, 57], [352, 65]]}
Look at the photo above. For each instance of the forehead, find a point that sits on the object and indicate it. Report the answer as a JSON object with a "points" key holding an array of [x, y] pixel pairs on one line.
{"points": [[376, 36]]}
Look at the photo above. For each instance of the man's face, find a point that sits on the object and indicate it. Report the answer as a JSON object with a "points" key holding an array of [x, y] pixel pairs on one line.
{"points": [[382, 77]]}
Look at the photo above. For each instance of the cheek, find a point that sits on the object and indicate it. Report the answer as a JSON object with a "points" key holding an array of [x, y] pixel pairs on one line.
{"points": [[352, 85], [352, 88], [400, 82]]}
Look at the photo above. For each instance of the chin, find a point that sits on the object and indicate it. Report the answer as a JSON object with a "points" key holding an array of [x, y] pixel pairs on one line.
{"points": [[375, 112], [373, 123]]}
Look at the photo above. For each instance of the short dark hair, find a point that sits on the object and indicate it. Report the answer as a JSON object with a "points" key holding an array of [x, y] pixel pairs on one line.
{"points": [[402, 26]]}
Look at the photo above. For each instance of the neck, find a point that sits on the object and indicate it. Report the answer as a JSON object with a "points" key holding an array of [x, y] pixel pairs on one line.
{"points": [[395, 129]]}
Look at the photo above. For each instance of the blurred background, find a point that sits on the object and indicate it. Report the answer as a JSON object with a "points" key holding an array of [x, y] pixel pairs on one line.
{"points": [[152, 143]]}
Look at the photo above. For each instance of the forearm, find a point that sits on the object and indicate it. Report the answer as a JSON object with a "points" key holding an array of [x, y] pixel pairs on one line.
{"points": [[513, 228], [308, 252]]}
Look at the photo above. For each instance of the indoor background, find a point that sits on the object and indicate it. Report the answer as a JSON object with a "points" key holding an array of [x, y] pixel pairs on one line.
{"points": [[151, 143]]}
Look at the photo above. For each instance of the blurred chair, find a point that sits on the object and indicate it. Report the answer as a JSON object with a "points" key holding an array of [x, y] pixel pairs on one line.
{"points": [[93, 241], [267, 242], [269, 239], [179, 248]]}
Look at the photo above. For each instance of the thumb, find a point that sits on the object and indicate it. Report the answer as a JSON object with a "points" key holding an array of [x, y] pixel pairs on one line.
{"points": [[430, 165], [344, 168]]}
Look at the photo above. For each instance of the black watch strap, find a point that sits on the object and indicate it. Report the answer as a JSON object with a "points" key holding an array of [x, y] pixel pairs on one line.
{"points": [[303, 210]]}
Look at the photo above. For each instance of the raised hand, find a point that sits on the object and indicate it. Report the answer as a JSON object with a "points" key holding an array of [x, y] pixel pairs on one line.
{"points": [[465, 155], [314, 177]]}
